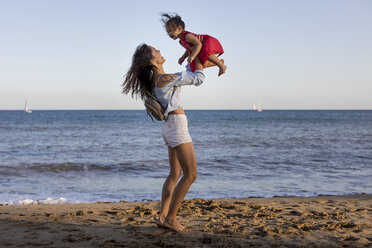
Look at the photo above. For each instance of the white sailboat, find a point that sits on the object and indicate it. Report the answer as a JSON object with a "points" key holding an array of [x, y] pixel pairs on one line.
{"points": [[27, 110], [255, 108]]}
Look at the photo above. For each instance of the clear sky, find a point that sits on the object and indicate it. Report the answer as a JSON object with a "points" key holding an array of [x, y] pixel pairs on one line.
{"points": [[73, 54]]}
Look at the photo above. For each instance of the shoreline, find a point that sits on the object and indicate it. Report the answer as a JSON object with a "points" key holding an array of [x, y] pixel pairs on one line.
{"points": [[62, 200], [316, 221]]}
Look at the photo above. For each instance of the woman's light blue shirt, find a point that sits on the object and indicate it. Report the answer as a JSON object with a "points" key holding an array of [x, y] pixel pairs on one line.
{"points": [[171, 101]]}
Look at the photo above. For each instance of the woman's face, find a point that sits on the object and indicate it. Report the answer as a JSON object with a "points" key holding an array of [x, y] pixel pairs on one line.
{"points": [[157, 56]]}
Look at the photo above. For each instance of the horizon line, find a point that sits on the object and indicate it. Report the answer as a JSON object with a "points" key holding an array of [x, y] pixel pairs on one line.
{"points": [[235, 109]]}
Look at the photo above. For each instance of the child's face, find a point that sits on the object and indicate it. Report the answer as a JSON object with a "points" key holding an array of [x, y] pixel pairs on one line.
{"points": [[174, 32]]}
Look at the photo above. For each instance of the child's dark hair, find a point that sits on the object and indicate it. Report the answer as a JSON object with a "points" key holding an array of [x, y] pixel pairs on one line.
{"points": [[172, 20]]}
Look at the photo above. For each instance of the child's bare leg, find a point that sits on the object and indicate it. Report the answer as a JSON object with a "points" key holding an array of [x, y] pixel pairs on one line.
{"points": [[219, 62], [210, 64]]}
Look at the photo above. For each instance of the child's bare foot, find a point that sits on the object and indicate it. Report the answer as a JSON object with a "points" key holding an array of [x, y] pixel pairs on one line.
{"points": [[174, 225], [222, 70]]}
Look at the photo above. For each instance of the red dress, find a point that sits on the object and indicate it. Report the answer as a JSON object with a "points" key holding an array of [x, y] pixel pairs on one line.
{"points": [[210, 45]]}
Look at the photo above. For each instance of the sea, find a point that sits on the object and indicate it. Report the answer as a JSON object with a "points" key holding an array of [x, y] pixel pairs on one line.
{"points": [[111, 156]]}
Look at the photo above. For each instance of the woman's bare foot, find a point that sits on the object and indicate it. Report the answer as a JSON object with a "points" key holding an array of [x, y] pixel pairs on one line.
{"points": [[174, 225], [160, 221]]}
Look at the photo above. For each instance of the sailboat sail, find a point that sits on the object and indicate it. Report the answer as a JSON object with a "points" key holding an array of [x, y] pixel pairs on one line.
{"points": [[258, 109], [27, 110]]}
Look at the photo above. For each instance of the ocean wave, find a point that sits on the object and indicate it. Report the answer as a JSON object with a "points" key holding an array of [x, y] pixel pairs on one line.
{"points": [[132, 167], [54, 168], [27, 201]]}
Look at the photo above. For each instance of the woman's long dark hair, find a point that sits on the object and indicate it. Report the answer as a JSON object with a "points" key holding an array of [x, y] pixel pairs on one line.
{"points": [[138, 80]]}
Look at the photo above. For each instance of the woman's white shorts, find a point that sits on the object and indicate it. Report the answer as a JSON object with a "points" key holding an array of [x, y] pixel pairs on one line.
{"points": [[175, 130]]}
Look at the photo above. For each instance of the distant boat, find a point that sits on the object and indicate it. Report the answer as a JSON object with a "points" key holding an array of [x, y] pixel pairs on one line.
{"points": [[255, 108], [27, 110]]}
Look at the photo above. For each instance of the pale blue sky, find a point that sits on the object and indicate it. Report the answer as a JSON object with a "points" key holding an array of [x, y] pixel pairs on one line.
{"points": [[73, 54]]}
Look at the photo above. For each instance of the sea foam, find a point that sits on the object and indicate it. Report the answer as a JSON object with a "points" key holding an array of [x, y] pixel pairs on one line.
{"points": [[48, 200]]}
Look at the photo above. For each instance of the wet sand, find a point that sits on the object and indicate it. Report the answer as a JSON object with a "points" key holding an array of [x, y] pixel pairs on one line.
{"points": [[324, 221]]}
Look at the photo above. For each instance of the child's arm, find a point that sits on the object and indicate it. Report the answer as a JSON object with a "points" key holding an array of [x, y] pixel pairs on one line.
{"points": [[197, 45], [183, 57]]}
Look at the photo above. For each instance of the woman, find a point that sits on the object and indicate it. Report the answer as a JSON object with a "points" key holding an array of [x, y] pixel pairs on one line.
{"points": [[145, 75]]}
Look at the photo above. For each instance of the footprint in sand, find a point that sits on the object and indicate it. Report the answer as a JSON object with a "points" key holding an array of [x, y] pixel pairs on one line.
{"points": [[42, 227], [77, 238], [93, 220], [111, 212], [52, 215], [296, 213], [79, 213], [350, 238]]}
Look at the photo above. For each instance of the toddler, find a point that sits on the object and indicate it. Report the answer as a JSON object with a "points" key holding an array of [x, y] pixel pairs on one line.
{"points": [[207, 47]]}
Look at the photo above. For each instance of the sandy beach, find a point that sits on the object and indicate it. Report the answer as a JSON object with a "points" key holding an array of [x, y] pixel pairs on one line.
{"points": [[323, 221]]}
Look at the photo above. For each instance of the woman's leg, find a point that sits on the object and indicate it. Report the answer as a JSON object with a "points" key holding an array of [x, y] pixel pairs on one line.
{"points": [[169, 184], [186, 156]]}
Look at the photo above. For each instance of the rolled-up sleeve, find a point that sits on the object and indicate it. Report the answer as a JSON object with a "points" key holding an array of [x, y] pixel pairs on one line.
{"points": [[189, 78]]}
